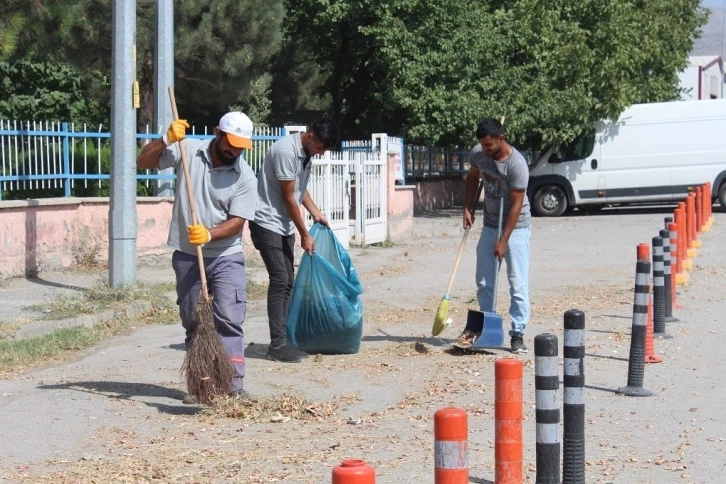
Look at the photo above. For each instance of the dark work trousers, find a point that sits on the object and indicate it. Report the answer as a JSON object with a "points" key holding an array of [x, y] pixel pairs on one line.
{"points": [[278, 253], [226, 281]]}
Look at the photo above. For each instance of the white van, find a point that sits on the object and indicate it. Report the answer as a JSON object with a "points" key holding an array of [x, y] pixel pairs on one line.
{"points": [[653, 153]]}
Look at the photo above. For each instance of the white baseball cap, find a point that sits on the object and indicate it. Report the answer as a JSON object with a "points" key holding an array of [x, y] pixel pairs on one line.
{"points": [[238, 128]]}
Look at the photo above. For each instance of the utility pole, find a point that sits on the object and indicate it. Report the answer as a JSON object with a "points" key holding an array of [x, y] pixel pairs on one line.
{"points": [[163, 78], [122, 206]]}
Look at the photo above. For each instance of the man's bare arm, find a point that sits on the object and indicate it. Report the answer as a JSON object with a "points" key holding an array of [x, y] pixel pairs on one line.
{"points": [[149, 157]]}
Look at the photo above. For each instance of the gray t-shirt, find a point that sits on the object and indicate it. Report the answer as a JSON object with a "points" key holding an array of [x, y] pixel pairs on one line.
{"points": [[218, 193], [499, 178], [283, 161]]}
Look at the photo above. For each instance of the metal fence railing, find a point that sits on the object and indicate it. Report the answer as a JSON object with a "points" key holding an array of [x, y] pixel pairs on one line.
{"points": [[40, 159], [428, 161], [436, 161]]}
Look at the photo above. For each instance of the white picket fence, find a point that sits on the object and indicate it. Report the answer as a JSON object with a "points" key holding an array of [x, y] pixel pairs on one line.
{"points": [[334, 190]]}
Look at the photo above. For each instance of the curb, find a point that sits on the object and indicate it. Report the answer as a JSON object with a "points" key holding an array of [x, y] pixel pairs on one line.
{"points": [[41, 328]]}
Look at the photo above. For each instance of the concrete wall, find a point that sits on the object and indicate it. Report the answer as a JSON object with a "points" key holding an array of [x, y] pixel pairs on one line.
{"points": [[49, 234], [399, 206]]}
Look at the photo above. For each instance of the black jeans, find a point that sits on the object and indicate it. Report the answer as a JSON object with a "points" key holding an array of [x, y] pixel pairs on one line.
{"points": [[278, 253]]}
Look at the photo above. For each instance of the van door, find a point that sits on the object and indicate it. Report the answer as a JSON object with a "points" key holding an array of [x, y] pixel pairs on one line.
{"points": [[635, 163]]}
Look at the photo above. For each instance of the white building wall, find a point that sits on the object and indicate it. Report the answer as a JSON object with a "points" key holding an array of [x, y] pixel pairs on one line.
{"points": [[712, 82], [689, 83]]}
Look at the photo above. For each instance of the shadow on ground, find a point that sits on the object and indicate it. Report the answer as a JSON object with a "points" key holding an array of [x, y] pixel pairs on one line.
{"points": [[408, 339], [130, 391], [480, 480], [43, 282]]}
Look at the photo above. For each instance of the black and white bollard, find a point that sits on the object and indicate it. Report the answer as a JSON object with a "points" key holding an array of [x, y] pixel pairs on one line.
{"points": [[547, 387], [665, 234], [659, 328], [573, 409], [636, 364]]}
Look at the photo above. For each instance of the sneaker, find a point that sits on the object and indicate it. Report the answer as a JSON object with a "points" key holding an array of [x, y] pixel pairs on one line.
{"points": [[302, 353], [518, 345], [284, 354]]}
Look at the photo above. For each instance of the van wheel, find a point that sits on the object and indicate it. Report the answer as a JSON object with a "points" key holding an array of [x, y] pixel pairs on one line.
{"points": [[550, 201], [722, 196]]}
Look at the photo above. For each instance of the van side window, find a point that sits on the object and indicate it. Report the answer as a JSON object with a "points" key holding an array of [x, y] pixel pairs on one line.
{"points": [[580, 148]]}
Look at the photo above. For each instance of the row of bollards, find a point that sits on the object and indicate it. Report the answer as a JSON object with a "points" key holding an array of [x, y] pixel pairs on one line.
{"points": [[451, 446], [673, 251]]}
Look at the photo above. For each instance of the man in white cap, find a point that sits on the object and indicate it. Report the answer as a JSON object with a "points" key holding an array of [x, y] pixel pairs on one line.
{"points": [[225, 193]]}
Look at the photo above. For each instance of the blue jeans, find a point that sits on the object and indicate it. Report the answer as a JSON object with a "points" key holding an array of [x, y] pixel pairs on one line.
{"points": [[517, 258]]}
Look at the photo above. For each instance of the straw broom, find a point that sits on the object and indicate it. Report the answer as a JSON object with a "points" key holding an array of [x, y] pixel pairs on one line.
{"points": [[441, 321], [442, 314], [206, 366]]}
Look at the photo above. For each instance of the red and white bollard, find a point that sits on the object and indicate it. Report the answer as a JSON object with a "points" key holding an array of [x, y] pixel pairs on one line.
{"points": [[451, 446]]}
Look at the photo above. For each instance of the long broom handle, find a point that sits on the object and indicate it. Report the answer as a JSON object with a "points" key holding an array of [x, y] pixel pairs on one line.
{"points": [[498, 262], [463, 240], [190, 195]]}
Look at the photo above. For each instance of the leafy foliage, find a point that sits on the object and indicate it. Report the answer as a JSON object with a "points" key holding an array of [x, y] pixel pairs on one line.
{"points": [[48, 91], [552, 68], [220, 48], [426, 70]]}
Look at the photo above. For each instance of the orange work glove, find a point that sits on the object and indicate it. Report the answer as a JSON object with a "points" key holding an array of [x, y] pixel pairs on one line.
{"points": [[176, 132], [198, 234]]}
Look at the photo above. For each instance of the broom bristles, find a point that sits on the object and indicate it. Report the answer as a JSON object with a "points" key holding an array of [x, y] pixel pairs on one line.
{"points": [[441, 316], [206, 366]]}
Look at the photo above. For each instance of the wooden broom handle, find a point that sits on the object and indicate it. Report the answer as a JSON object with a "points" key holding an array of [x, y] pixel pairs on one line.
{"points": [[463, 240], [190, 195]]}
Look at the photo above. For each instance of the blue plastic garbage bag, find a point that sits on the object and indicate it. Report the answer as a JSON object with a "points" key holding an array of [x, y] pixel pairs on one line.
{"points": [[326, 314]]}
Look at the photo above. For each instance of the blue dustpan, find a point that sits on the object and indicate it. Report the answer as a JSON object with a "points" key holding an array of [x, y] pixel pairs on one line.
{"points": [[491, 323]]}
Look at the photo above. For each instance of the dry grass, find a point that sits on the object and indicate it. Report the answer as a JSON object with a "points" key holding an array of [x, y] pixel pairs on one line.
{"points": [[8, 328], [257, 291], [276, 409], [102, 296]]}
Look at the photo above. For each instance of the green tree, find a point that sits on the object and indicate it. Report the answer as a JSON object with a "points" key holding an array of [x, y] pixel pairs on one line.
{"points": [[48, 91], [298, 90], [19, 20], [551, 67], [220, 48], [335, 35]]}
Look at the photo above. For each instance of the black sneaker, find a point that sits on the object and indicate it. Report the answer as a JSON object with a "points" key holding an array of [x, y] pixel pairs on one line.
{"points": [[300, 352], [284, 354], [518, 345]]}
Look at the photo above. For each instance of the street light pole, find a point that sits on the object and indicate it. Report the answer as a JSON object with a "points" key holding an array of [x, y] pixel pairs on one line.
{"points": [[163, 78], [122, 205]]}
